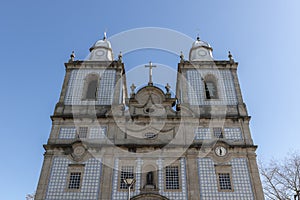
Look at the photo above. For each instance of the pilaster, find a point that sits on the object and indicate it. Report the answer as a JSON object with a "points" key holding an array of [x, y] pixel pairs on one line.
{"points": [[192, 176], [107, 177], [44, 178], [255, 178]]}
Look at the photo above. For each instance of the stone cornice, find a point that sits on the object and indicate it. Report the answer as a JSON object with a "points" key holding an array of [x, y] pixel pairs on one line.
{"points": [[80, 64], [219, 64]]}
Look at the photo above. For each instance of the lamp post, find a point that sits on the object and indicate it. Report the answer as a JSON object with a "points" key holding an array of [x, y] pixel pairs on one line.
{"points": [[129, 182]]}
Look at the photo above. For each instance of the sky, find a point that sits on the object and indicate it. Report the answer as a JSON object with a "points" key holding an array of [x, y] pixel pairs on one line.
{"points": [[37, 37]]}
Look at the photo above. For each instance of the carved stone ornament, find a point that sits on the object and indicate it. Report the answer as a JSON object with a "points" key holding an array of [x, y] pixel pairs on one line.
{"points": [[79, 151]]}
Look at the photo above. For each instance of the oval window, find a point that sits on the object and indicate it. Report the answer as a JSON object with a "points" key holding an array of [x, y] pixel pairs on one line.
{"points": [[150, 135]]}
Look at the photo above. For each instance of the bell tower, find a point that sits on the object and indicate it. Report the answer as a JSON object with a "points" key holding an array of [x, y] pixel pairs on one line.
{"points": [[209, 90], [90, 89]]}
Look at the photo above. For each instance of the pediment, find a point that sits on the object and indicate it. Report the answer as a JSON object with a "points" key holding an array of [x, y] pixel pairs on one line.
{"points": [[150, 101], [150, 94]]}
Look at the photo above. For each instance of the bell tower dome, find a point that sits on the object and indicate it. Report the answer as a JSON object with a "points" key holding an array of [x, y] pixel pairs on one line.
{"points": [[101, 51], [200, 51]]}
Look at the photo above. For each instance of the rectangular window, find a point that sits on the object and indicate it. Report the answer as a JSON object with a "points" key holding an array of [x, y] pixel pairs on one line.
{"points": [[126, 172], [74, 182], [218, 132], [172, 177], [82, 132], [224, 181], [75, 175]]}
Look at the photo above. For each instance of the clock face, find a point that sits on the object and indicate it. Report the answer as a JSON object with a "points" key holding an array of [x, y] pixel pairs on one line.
{"points": [[202, 53], [220, 151]]}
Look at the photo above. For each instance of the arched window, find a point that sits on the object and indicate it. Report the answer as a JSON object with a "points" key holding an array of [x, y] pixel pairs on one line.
{"points": [[211, 90], [91, 87]]}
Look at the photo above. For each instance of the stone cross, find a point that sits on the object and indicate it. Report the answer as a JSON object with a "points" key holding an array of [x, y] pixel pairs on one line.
{"points": [[150, 72]]}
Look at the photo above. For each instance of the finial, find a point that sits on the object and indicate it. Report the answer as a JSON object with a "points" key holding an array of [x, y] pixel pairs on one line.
{"points": [[168, 88], [230, 57], [181, 57], [72, 56], [198, 36], [104, 37], [120, 56], [132, 87]]}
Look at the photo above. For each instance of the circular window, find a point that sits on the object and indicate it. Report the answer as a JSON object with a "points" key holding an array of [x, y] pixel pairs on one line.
{"points": [[150, 135], [149, 110]]}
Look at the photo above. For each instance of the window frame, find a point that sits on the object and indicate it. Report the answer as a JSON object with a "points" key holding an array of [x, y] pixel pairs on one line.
{"points": [[120, 180], [75, 168], [221, 170], [179, 189], [226, 181]]}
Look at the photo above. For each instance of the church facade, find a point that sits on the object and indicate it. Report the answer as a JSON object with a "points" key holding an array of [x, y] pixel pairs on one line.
{"points": [[194, 143]]}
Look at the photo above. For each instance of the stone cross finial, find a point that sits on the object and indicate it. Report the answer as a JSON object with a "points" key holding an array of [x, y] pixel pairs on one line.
{"points": [[150, 72], [120, 56], [181, 56], [72, 56], [168, 88], [230, 57], [132, 87]]}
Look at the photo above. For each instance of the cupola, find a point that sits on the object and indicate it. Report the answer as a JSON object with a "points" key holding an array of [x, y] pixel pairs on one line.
{"points": [[200, 51], [101, 51]]}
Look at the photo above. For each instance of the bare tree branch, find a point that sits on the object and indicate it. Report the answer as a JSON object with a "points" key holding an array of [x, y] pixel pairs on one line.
{"points": [[281, 179]]}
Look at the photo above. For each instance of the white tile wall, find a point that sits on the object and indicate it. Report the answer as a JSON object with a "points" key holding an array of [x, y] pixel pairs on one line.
{"points": [[76, 83], [94, 132], [240, 180], [59, 176], [196, 91], [230, 133]]}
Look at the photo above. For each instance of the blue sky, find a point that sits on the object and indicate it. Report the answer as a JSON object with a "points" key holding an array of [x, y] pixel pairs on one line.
{"points": [[38, 36]]}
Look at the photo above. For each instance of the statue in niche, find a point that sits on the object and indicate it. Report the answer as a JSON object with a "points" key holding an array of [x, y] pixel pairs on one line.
{"points": [[149, 180]]}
